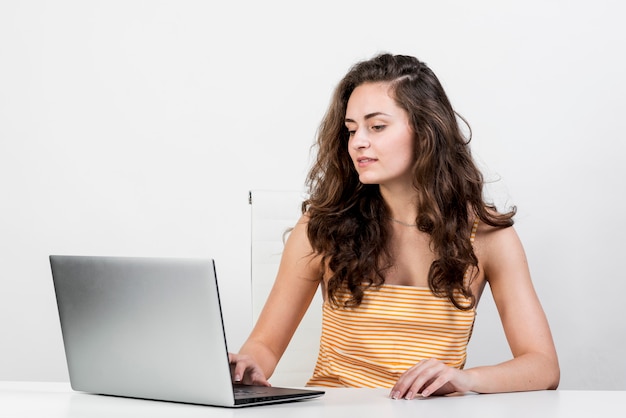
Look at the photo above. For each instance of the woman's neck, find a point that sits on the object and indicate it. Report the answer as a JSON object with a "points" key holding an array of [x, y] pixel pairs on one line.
{"points": [[402, 203]]}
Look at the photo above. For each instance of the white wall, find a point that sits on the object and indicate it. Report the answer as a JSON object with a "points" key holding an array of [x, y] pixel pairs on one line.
{"points": [[138, 127]]}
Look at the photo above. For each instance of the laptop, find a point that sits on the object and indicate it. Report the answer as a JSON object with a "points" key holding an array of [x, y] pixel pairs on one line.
{"points": [[150, 328]]}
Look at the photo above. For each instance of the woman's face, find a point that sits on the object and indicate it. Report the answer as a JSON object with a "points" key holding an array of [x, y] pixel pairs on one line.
{"points": [[381, 140]]}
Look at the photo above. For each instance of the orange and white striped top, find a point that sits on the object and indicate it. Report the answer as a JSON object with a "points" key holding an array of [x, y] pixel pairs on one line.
{"points": [[393, 328]]}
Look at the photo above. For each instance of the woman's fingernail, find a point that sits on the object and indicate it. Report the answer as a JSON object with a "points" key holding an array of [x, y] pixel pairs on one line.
{"points": [[237, 378], [409, 396], [425, 392], [395, 394]]}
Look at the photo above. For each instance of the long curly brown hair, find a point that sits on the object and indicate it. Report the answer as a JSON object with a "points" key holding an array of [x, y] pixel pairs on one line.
{"points": [[349, 221]]}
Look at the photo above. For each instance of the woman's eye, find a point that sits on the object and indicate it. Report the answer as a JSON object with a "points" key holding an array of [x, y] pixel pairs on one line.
{"points": [[378, 128]]}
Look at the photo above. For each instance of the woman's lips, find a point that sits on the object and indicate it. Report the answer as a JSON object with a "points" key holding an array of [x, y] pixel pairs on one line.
{"points": [[365, 161]]}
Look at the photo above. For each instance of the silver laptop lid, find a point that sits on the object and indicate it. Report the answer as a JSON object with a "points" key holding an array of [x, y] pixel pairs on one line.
{"points": [[122, 316]]}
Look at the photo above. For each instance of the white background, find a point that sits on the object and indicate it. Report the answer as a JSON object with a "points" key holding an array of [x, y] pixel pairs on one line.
{"points": [[138, 127]]}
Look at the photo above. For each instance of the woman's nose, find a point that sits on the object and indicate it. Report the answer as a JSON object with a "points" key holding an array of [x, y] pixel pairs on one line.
{"points": [[359, 139]]}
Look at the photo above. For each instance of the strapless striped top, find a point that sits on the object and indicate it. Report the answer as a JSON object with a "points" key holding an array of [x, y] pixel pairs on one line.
{"points": [[393, 329]]}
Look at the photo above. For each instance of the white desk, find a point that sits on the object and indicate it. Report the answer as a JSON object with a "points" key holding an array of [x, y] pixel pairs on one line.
{"points": [[52, 400]]}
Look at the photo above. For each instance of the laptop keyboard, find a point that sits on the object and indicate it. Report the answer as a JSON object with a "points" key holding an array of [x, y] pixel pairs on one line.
{"points": [[255, 390]]}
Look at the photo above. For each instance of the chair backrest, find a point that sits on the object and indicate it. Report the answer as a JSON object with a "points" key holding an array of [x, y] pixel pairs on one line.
{"points": [[272, 214]]}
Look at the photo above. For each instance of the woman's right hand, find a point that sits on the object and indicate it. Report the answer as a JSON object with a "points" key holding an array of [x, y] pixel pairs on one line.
{"points": [[245, 370]]}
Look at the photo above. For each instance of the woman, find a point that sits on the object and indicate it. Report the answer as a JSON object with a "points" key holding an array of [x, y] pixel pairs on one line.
{"points": [[398, 236]]}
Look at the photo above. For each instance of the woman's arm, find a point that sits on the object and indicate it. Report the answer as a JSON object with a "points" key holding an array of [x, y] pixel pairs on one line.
{"points": [[534, 365], [294, 288]]}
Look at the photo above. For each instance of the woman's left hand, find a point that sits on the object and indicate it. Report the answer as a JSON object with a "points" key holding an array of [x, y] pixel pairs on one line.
{"points": [[429, 377]]}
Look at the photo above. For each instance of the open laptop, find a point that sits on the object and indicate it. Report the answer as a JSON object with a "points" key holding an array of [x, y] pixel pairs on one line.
{"points": [[150, 328]]}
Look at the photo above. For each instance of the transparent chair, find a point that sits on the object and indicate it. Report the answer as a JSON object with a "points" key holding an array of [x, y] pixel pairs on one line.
{"points": [[272, 214]]}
